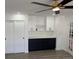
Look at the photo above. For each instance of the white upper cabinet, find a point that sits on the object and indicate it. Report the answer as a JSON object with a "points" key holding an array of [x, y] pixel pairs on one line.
{"points": [[50, 23]]}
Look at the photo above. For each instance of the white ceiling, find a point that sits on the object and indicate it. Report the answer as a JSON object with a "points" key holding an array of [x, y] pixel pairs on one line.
{"points": [[25, 7]]}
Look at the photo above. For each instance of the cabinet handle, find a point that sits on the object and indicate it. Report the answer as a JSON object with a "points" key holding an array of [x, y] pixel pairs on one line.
{"points": [[5, 38]]}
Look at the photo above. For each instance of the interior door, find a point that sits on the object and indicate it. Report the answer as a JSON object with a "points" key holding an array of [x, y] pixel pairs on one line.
{"points": [[9, 31], [19, 37]]}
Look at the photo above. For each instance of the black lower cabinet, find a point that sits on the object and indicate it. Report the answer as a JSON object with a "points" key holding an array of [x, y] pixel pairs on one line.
{"points": [[37, 44]]}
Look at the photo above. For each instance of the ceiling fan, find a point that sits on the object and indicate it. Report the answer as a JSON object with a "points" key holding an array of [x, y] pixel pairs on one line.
{"points": [[55, 6]]}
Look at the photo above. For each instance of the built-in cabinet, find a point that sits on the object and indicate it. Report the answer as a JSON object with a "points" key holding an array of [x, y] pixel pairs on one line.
{"points": [[14, 40]]}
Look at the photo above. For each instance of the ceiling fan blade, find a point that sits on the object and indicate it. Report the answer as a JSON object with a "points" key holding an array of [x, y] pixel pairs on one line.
{"points": [[42, 4], [67, 7], [44, 10], [64, 2]]}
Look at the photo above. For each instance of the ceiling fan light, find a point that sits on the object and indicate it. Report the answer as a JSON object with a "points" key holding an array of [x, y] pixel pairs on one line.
{"points": [[56, 9]]}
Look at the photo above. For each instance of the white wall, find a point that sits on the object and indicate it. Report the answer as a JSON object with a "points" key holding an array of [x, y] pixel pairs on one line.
{"points": [[15, 16]]}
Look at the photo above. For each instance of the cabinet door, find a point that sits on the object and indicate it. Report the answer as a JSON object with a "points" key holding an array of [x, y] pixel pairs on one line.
{"points": [[9, 31], [50, 23], [19, 36]]}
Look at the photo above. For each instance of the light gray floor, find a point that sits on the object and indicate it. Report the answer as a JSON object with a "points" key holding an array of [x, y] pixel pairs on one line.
{"points": [[46, 54]]}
